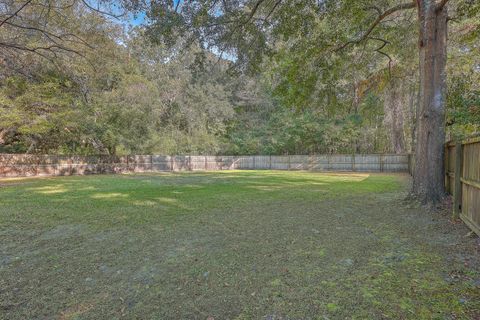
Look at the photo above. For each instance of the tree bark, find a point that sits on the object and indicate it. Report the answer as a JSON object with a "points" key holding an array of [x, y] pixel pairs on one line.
{"points": [[428, 183]]}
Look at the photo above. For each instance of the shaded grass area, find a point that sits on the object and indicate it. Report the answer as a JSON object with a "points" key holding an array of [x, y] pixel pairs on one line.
{"points": [[230, 245]]}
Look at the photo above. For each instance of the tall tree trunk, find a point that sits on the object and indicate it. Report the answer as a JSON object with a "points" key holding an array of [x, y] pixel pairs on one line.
{"points": [[429, 152]]}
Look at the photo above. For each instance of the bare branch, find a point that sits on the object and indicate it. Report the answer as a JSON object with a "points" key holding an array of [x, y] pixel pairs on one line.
{"points": [[15, 13], [379, 50], [43, 50], [101, 11], [177, 5], [273, 9], [254, 10], [377, 9]]}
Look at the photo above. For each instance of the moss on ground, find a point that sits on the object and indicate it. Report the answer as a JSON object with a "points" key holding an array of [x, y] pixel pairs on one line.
{"points": [[230, 245]]}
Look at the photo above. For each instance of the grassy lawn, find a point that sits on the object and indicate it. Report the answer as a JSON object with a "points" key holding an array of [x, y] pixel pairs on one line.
{"points": [[230, 245]]}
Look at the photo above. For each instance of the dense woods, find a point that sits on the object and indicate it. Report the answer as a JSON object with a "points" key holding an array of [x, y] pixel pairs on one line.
{"points": [[239, 77]]}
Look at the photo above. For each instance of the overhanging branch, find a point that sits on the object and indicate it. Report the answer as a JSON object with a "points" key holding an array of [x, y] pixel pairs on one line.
{"points": [[403, 6]]}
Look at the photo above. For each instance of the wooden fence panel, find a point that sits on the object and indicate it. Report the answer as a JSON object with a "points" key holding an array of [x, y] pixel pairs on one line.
{"points": [[228, 162], [449, 167], [341, 162], [180, 163], [299, 162], [161, 163], [280, 162], [318, 162], [49, 165], [198, 163], [367, 162], [213, 163], [244, 162], [462, 180], [395, 162], [470, 210], [261, 162]]}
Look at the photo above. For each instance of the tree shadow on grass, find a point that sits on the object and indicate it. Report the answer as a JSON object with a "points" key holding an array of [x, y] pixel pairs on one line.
{"points": [[159, 198]]}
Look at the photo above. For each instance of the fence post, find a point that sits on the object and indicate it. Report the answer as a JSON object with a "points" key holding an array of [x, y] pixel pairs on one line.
{"points": [[353, 162], [381, 162], [270, 164], [289, 162], [457, 184]]}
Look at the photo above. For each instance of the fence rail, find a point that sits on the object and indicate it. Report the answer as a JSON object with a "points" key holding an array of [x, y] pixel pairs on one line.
{"points": [[14, 165], [462, 180]]}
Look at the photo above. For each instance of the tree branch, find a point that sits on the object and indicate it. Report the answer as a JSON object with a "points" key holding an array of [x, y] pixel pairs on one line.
{"points": [[15, 13], [101, 11], [379, 50], [273, 9], [254, 10], [49, 35], [402, 6]]}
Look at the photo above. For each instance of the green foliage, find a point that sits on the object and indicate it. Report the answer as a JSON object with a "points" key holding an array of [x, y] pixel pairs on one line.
{"points": [[284, 87], [291, 132], [463, 118], [43, 113]]}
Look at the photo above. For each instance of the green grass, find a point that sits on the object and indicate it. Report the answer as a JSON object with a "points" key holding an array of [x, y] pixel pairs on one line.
{"points": [[230, 245]]}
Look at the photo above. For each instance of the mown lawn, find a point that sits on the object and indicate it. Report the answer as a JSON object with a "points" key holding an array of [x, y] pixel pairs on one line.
{"points": [[230, 245]]}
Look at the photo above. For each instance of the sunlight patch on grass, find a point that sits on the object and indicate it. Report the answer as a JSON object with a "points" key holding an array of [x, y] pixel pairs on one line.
{"points": [[268, 187], [167, 200], [109, 195], [146, 203], [54, 189], [348, 176]]}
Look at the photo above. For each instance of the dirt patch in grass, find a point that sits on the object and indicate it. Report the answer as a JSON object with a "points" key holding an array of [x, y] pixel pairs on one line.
{"points": [[231, 245]]}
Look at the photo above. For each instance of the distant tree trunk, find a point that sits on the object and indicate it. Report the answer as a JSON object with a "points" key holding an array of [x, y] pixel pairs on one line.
{"points": [[413, 106], [394, 103], [355, 106], [428, 176]]}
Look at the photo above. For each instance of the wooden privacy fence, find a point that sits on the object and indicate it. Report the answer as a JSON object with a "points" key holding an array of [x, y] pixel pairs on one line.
{"points": [[462, 180], [13, 165]]}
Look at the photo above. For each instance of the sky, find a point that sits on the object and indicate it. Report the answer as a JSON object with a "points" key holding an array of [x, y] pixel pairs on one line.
{"points": [[141, 18], [129, 21], [136, 20]]}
